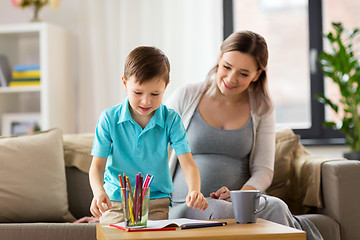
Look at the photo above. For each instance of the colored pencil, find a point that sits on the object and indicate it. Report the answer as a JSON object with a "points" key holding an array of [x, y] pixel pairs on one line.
{"points": [[151, 179], [140, 196], [147, 178], [129, 186], [122, 185]]}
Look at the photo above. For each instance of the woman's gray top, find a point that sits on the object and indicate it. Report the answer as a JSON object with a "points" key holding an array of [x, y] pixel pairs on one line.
{"points": [[217, 154]]}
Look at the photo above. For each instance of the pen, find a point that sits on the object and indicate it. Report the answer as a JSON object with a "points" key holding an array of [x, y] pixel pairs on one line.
{"points": [[202, 225], [141, 229], [119, 227]]}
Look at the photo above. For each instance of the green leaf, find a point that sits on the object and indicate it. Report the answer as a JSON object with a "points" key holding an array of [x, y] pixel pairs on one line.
{"points": [[324, 100], [330, 37], [329, 125], [338, 27]]}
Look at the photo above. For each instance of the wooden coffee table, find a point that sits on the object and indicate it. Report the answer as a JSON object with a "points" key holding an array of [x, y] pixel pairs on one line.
{"points": [[261, 230]]}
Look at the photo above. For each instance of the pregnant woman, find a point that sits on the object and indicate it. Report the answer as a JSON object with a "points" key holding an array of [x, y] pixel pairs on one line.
{"points": [[229, 120]]}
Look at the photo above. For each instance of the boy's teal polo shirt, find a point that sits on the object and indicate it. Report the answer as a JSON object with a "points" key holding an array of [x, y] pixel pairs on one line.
{"points": [[131, 149]]}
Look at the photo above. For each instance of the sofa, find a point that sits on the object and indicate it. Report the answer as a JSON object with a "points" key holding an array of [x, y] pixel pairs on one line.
{"points": [[44, 187]]}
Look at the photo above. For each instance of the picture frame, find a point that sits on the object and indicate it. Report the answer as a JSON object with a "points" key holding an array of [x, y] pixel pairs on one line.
{"points": [[14, 124]]}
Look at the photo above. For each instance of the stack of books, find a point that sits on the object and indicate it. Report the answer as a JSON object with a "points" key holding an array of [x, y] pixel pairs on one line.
{"points": [[25, 75]]}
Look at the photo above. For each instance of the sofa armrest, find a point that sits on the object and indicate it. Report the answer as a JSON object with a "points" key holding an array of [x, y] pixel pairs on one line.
{"points": [[341, 195]]}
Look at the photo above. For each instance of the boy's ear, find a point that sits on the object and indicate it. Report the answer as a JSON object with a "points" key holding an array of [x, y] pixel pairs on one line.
{"points": [[167, 84], [123, 80]]}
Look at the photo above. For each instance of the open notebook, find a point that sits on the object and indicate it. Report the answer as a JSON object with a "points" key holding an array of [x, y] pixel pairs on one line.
{"points": [[171, 224]]}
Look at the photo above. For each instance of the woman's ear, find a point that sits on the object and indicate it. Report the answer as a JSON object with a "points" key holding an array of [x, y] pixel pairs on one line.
{"points": [[124, 81], [257, 75]]}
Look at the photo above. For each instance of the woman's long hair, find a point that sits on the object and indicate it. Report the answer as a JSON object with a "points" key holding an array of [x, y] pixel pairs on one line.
{"points": [[255, 45]]}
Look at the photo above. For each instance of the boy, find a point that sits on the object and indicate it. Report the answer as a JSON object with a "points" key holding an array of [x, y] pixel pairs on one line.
{"points": [[133, 137]]}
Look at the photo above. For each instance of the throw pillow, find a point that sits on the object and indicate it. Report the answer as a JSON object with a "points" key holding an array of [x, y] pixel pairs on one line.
{"points": [[286, 143], [32, 178]]}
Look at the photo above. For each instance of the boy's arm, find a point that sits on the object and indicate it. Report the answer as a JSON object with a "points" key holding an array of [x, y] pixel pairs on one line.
{"points": [[96, 178], [194, 199]]}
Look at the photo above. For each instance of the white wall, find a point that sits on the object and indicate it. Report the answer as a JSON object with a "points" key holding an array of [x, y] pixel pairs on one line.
{"points": [[68, 16], [69, 8], [188, 31]]}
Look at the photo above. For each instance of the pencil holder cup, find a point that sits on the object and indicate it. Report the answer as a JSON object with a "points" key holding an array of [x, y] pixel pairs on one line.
{"points": [[135, 206]]}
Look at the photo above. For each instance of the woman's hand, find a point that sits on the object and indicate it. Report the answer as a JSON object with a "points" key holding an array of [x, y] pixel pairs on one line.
{"points": [[223, 193], [196, 200], [96, 207]]}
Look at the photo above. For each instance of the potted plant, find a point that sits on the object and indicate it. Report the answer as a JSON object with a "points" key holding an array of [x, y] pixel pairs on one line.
{"points": [[342, 66], [36, 4]]}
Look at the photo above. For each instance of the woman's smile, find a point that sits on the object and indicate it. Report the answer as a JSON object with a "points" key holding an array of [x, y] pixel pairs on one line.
{"points": [[228, 86]]}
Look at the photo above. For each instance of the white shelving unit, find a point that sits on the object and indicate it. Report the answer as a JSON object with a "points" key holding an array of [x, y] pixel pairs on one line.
{"points": [[51, 47]]}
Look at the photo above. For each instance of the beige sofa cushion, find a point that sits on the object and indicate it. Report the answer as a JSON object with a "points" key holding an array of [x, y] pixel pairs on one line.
{"points": [[297, 174], [77, 150], [286, 143], [32, 178]]}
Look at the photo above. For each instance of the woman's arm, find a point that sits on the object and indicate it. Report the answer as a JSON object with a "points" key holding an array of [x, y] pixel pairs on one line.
{"points": [[263, 156]]}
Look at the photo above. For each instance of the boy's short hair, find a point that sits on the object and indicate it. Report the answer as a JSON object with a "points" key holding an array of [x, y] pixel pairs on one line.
{"points": [[144, 63]]}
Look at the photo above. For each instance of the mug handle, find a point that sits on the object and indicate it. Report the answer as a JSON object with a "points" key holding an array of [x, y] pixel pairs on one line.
{"points": [[266, 202]]}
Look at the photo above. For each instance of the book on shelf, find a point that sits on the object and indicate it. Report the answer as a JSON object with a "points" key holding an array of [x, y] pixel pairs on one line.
{"points": [[26, 74], [26, 67], [25, 79], [5, 71], [24, 83], [170, 224]]}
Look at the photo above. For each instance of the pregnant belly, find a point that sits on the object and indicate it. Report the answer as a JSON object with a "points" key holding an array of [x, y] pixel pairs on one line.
{"points": [[215, 171]]}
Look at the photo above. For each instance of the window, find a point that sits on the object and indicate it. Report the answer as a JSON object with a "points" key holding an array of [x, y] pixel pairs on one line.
{"points": [[334, 12], [293, 30], [283, 24]]}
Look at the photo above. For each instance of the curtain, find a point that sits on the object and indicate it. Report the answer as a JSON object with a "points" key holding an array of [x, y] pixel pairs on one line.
{"points": [[188, 31]]}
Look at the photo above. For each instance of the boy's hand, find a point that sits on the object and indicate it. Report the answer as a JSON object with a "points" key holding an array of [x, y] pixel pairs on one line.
{"points": [[96, 207], [196, 200]]}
